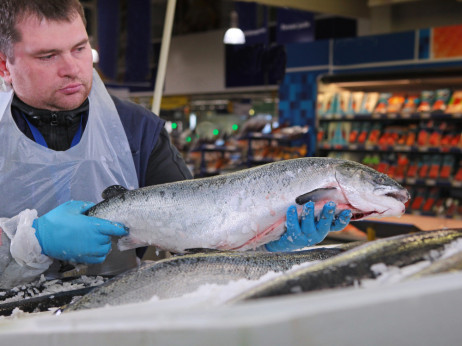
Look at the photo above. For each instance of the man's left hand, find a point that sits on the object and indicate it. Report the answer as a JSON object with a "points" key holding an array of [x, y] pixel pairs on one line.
{"points": [[308, 231]]}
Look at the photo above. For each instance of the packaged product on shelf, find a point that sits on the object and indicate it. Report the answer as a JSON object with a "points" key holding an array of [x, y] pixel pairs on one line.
{"points": [[438, 207], [383, 166], [412, 135], [392, 166], [430, 200], [344, 101], [434, 138], [402, 166], [371, 160], [435, 165], [321, 132], [427, 97], [382, 103], [441, 100], [424, 134], [424, 166], [354, 133], [403, 135], [455, 140], [452, 205], [320, 104], [374, 134], [413, 169], [339, 135], [364, 132], [391, 136], [356, 99], [411, 103], [333, 104], [396, 102], [419, 199], [368, 103], [455, 103], [446, 168], [328, 104], [458, 175], [367, 160]]}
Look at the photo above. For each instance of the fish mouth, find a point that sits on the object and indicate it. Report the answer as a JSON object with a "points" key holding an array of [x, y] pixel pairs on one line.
{"points": [[360, 215]]}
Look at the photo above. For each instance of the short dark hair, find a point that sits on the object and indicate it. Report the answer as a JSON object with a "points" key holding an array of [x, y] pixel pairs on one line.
{"points": [[13, 12]]}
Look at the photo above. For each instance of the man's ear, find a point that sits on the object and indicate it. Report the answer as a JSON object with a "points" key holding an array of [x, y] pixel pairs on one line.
{"points": [[4, 71]]}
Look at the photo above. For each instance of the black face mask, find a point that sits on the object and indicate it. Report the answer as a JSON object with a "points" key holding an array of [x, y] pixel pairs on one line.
{"points": [[40, 117]]}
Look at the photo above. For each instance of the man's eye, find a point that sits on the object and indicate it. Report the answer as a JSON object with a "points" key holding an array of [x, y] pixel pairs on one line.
{"points": [[46, 57]]}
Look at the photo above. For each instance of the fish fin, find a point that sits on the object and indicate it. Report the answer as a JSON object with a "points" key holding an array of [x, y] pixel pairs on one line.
{"points": [[129, 242], [316, 195], [113, 191]]}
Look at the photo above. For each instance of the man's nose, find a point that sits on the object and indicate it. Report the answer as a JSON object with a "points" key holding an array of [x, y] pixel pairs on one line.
{"points": [[68, 66]]}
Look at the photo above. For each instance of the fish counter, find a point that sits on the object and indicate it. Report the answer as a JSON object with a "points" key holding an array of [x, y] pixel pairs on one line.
{"points": [[405, 289], [423, 312]]}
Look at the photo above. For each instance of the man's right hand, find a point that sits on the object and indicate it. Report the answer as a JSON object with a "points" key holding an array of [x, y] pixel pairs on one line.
{"points": [[67, 234]]}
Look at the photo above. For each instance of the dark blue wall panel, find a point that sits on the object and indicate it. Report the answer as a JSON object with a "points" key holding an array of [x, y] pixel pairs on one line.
{"points": [[138, 41], [108, 36], [314, 53], [373, 49]]}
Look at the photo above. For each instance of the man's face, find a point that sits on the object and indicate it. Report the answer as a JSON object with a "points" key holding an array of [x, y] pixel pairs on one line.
{"points": [[53, 64]]}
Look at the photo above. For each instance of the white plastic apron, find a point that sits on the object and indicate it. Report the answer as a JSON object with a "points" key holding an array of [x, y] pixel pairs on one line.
{"points": [[35, 177]]}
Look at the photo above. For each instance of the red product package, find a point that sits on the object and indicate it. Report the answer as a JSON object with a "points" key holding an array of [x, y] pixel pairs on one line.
{"points": [[412, 171], [423, 171], [417, 202]]}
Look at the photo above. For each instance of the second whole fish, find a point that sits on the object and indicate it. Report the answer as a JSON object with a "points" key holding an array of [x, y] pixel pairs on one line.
{"points": [[351, 267], [246, 209], [176, 276]]}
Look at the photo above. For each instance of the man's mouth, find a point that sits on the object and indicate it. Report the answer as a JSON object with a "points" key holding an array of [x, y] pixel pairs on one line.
{"points": [[71, 88]]}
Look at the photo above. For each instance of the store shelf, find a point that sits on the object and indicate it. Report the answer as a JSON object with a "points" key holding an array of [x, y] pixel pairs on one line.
{"points": [[288, 146], [204, 169], [421, 147], [393, 116], [389, 148]]}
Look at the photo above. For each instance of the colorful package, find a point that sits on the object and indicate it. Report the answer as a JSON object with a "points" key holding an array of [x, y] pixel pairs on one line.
{"points": [[441, 99], [455, 103], [396, 102], [382, 103], [427, 98], [368, 103], [411, 103]]}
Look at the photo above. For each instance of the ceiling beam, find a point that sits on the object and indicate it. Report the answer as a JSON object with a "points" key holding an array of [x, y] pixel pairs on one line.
{"points": [[350, 8]]}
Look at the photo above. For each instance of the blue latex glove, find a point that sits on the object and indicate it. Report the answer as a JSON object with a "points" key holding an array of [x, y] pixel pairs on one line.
{"points": [[66, 234], [309, 232]]}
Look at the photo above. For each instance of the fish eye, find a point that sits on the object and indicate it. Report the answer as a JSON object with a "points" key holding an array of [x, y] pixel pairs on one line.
{"points": [[380, 180]]}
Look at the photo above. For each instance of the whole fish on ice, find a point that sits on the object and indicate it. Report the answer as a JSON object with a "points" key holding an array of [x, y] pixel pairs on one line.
{"points": [[350, 267], [246, 209], [178, 275]]}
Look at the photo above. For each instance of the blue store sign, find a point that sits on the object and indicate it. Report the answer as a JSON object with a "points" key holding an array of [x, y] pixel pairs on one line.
{"points": [[294, 26]]}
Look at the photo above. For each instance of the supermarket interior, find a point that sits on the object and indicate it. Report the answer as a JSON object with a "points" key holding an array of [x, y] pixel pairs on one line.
{"points": [[300, 184]]}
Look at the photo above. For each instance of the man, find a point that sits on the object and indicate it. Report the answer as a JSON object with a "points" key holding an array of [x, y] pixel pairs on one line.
{"points": [[63, 140]]}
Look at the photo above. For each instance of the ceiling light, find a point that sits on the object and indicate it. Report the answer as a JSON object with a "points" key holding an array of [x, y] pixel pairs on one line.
{"points": [[234, 35]]}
